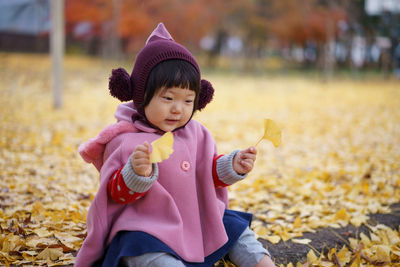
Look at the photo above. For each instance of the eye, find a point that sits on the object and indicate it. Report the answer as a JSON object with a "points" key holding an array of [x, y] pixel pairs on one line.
{"points": [[189, 101], [167, 98]]}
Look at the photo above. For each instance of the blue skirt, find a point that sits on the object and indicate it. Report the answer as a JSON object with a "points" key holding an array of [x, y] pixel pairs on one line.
{"points": [[136, 243]]}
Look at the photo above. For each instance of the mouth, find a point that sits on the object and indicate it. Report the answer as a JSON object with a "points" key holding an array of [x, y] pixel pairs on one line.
{"points": [[171, 121]]}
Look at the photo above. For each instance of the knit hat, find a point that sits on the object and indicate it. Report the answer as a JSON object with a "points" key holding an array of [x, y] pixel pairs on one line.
{"points": [[159, 47]]}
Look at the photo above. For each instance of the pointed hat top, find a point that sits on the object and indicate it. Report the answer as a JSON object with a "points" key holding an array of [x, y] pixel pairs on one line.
{"points": [[160, 32]]}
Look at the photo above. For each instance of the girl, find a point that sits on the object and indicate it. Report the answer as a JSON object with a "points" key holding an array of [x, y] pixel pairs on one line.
{"points": [[173, 213]]}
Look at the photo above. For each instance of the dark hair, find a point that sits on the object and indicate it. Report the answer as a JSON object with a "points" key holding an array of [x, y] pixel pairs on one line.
{"points": [[172, 73]]}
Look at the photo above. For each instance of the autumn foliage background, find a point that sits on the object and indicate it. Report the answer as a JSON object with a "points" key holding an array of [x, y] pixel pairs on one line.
{"points": [[338, 163]]}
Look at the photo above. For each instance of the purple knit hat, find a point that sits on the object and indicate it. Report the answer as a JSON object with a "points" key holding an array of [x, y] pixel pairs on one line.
{"points": [[159, 47]]}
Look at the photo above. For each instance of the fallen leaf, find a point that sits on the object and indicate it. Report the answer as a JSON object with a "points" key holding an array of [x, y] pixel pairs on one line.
{"points": [[35, 241], [357, 261], [303, 241], [29, 255], [311, 258], [42, 232], [344, 255], [359, 220], [274, 239], [392, 237], [297, 222], [162, 148], [396, 252], [341, 215], [50, 254], [383, 253], [12, 243], [67, 239], [365, 240]]}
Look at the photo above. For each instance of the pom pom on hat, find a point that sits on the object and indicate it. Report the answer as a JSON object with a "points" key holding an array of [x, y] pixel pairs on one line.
{"points": [[206, 93], [120, 84]]}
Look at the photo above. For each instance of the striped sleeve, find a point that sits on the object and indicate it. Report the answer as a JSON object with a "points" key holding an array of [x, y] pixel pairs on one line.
{"points": [[223, 172]]}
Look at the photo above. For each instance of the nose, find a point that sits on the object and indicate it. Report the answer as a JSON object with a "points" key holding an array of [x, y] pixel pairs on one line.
{"points": [[176, 108]]}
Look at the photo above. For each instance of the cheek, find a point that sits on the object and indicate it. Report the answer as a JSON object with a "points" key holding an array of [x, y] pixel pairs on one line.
{"points": [[156, 111], [189, 111], [147, 111], [151, 112]]}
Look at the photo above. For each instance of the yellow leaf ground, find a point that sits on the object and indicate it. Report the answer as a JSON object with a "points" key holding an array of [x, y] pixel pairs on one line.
{"points": [[339, 159]]}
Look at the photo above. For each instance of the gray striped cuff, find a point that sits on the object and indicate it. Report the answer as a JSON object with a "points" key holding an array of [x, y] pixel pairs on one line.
{"points": [[135, 182], [225, 170]]}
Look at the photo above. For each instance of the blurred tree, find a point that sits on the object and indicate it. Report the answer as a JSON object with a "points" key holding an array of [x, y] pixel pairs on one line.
{"points": [[230, 18], [290, 22], [295, 22], [188, 20], [316, 26], [92, 16]]}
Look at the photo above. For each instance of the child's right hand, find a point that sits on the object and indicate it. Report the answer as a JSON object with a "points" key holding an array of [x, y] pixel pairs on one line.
{"points": [[141, 160]]}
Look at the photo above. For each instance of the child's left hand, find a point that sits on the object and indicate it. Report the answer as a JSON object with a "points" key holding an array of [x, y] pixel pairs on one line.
{"points": [[243, 161]]}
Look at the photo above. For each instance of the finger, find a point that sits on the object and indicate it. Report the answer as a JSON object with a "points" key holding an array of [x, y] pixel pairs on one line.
{"points": [[247, 156], [143, 171], [246, 162], [142, 161], [242, 170], [142, 148], [143, 168], [250, 160], [251, 150], [141, 153], [147, 146], [138, 156]]}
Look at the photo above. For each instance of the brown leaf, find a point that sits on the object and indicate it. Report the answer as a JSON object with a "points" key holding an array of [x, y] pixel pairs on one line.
{"points": [[50, 254]]}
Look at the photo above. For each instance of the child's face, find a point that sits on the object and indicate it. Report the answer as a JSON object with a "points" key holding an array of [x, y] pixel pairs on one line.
{"points": [[170, 108]]}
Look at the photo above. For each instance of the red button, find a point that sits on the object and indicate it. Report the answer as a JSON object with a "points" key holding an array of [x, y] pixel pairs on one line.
{"points": [[185, 165]]}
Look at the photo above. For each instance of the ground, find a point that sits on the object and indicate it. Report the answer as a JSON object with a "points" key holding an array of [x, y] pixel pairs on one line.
{"points": [[336, 173], [326, 238]]}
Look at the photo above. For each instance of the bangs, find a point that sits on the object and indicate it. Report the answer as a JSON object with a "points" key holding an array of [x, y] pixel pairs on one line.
{"points": [[182, 75], [172, 73]]}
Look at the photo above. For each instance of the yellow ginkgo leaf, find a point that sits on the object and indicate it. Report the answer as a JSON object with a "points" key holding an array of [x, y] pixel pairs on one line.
{"points": [[303, 241], [297, 222], [342, 215], [383, 253], [162, 148], [344, 255], [271, 132], [274, 239], [311, 257]]}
